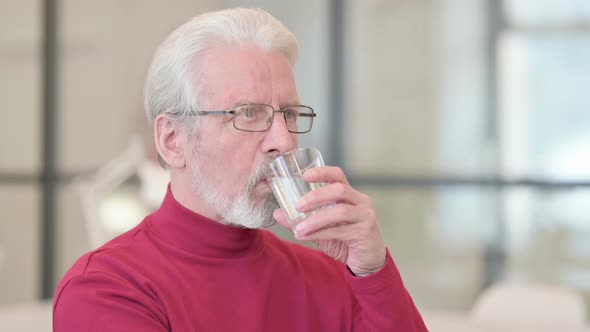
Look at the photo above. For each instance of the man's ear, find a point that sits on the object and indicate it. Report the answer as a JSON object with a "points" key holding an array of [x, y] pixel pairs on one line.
{"points": [[168, 137]]}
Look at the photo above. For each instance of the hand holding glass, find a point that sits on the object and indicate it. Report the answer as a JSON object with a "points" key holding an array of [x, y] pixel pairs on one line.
{"points": [[286, 180]]}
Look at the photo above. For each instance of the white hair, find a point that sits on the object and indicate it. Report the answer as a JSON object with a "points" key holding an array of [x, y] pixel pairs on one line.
{"points": [[172, 84]]}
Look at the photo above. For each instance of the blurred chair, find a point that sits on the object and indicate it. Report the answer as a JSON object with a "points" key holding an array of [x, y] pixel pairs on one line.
{"points": [[530, 306], [448, 321], [28, 317]]}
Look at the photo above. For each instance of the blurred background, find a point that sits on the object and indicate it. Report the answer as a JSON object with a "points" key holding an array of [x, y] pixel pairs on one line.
{"points": [[467, 121]]}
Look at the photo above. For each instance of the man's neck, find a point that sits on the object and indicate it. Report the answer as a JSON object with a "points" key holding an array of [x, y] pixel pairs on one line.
{"points": [[187, 197]]}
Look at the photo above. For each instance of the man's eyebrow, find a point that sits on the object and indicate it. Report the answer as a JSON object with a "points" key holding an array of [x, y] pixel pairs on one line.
{"points": [[291, 103], [239, 102], [246, 102]]}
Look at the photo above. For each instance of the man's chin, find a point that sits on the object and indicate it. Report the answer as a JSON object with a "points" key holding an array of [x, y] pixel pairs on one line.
{"points": [[264, 225], [268, 224]]}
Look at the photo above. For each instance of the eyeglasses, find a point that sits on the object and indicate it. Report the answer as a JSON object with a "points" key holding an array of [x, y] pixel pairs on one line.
{"points": [[259, 117]]}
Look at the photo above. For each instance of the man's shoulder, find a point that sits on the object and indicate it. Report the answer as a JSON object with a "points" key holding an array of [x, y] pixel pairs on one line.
{"points": [[114, 255], [118, 269]]}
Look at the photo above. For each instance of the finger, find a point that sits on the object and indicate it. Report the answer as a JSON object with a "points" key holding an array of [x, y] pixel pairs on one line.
{"points": [[281, 218], [328, 216], [330, 174], [348, 232], [340, 232], [328, 194]]}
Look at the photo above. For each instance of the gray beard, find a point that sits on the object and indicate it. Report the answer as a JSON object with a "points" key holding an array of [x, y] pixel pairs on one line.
{"points": [[241, 210]]}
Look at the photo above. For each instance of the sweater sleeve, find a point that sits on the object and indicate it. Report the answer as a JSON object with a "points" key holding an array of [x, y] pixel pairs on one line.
{"points": [[383, 303], [96, 301]]}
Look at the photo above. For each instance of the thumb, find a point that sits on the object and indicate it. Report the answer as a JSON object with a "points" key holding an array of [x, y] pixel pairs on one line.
{"points": [[281, 218]]}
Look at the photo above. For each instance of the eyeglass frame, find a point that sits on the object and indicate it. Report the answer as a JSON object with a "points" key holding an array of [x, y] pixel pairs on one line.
{"points": [[283, 110]]}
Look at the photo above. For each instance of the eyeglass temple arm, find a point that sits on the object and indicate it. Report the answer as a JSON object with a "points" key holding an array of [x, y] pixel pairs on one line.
{"points": [[215, 112], [309, 115]]}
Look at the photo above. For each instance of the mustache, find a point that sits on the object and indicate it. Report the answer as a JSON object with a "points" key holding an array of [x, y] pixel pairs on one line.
{"points": [[259, 174]]}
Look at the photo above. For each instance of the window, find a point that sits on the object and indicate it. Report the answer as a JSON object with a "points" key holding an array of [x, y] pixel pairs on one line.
{"points": [[468, 125]]}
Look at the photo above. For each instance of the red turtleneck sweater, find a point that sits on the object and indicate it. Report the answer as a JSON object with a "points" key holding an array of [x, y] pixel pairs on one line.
{"points": [[179, 271]]}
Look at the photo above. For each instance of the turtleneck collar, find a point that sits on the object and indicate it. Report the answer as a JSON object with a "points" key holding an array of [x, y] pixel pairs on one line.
{"points": [[196, 234]]}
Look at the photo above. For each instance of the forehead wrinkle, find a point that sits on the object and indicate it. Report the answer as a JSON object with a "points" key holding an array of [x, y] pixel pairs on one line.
{"points": [[255, 79]]}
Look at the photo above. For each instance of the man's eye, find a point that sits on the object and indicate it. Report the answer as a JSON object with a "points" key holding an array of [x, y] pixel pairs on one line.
{"points": [[290, 114]]}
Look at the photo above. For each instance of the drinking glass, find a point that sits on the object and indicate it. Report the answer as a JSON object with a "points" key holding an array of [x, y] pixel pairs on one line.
{"points": [[286, 180]]}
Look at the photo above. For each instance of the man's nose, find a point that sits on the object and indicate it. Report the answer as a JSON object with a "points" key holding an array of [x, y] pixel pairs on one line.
{"points": [[278, 139]]}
